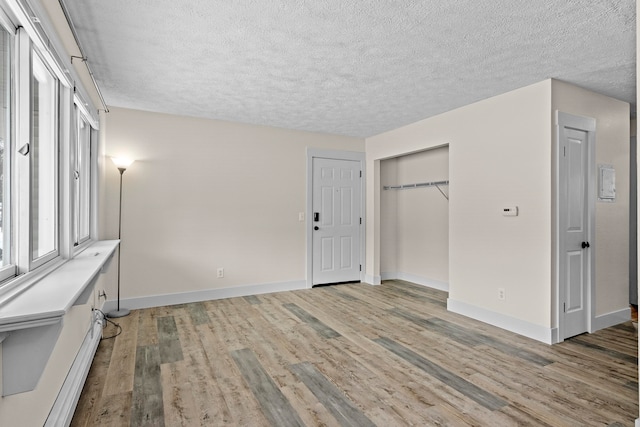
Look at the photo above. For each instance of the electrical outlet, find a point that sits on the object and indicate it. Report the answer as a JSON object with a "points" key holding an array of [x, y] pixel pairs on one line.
{"points": [[102, 294], [220, 273], [501, 294], [97, 316]]}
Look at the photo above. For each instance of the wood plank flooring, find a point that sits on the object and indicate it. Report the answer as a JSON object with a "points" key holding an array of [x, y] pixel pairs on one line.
{"points": [[351, 355]]}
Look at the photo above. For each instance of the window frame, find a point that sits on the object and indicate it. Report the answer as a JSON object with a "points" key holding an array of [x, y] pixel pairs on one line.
{"points": [[29, 30], [82, 178], [9, 270], [37, 261]]}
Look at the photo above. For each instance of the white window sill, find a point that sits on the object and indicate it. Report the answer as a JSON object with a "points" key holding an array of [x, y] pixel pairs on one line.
{"points": [[31, 321]]}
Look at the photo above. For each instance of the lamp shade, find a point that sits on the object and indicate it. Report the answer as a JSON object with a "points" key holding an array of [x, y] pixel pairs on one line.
{"points": [[121, 162]]}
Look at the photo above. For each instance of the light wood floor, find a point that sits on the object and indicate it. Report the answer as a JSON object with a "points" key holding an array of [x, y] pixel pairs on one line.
{"points": [[351, 355]]}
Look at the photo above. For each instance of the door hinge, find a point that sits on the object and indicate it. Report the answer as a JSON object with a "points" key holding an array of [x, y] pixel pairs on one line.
{"points": [[360, 221], [360, 174], [564, 307], [360, 267], [564, 151]]}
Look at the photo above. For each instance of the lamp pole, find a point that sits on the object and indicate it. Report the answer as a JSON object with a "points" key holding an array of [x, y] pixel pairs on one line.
{"points": [[122, 166]]}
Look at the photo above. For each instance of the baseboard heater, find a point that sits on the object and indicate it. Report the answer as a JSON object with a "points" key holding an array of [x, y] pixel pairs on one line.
{"points": [[65, 405]]}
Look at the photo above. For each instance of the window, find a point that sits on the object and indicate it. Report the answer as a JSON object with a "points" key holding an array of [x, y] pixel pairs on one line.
{"points": [[6, 64], [47, 172], [44, 161], [82, 180]]}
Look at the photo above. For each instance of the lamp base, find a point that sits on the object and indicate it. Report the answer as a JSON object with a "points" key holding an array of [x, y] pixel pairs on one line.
{"points": [[118, 313]]}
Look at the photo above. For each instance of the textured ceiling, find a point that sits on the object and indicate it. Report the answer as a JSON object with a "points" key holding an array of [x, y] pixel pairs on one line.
{"points": [[347, 67]]}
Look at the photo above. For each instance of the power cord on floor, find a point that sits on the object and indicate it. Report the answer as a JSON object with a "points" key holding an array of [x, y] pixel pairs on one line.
{"points": [[117, 325]]}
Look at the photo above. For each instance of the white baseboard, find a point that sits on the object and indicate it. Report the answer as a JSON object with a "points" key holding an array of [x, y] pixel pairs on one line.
{"points": [[67, 400], [204, 295], [372, 280], [611, 319], [518, 326], [418, 280]]}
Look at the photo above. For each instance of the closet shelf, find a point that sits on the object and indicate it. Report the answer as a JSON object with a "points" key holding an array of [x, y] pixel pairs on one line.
{"points": [[436, 184]]}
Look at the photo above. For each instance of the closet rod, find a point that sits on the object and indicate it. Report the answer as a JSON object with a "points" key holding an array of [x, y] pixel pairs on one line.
{"points": [[418, 185]]}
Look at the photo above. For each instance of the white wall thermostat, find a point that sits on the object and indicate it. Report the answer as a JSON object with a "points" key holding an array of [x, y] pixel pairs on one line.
{"points": [[510, 211]]}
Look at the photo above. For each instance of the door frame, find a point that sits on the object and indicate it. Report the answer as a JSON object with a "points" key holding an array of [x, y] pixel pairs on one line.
{"points": [[588, 125], [357, 156]]}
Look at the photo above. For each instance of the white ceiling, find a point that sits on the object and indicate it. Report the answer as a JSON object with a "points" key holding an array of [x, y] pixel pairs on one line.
{"points": [[347, 67]]}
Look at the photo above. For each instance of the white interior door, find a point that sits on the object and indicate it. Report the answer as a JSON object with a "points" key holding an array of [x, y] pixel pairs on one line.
{"points": [[336, 221], [574, 231]]}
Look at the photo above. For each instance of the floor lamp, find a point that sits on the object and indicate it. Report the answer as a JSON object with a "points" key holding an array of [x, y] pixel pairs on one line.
{"points": [[122, 165]]}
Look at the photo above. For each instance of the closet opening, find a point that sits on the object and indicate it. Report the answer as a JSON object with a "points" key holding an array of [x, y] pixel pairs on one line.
{"points": [[414, 218]]}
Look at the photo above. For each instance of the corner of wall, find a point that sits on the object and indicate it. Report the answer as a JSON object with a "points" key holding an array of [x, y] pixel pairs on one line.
{"points": [[540, 333], [612, 146]]}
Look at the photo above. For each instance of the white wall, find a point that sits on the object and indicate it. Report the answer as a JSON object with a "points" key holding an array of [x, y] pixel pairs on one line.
{"points": [[499, 154], [389, 220], [204, 194], [612, 219], [415, 222]]}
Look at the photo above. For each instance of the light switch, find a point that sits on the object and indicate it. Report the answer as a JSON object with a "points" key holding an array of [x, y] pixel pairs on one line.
{"points": [[300, 216]]}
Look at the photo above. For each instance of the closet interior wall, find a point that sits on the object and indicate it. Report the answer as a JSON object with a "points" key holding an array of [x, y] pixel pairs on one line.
{"points": [[415, 222]]}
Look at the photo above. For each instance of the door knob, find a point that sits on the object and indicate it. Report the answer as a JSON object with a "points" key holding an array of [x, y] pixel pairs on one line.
{"points": [[585, 245], [316, 228]]}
